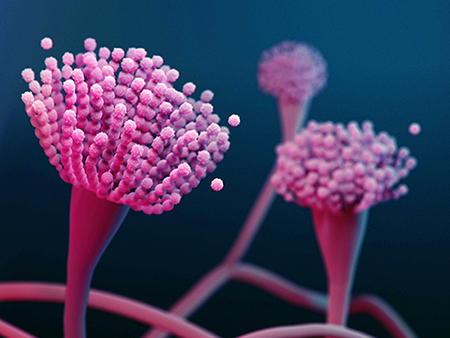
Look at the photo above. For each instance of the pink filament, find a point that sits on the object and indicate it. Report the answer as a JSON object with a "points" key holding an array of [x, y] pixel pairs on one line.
{"points": [[247, 273], [306, 330], [119, 305]]}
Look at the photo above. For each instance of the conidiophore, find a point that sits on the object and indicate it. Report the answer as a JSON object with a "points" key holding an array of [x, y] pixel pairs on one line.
{"points": [[339, 173], [121, 134], [292, 72]]}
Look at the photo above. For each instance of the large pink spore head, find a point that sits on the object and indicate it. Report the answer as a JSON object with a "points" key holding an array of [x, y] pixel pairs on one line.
{"points": [[119, 128], [292, 71], [341, 169]]}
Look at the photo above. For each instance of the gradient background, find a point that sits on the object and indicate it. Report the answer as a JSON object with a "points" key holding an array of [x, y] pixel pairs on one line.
{"points": [[388, 62]]}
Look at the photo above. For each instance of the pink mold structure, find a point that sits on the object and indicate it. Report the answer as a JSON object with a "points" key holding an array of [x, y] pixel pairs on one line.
{"points": [[128, 139], [114, 127], [292, 72], [340, 173]]}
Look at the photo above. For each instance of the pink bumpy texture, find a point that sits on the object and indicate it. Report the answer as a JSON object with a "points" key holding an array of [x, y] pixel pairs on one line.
{"points": [[341, 169], [118, 127], [292, 71]]}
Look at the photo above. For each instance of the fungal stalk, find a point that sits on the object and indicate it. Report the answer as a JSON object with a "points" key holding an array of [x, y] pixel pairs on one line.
{"points": [[340, 238], [339, 173], [93, 224], [114, 127]]}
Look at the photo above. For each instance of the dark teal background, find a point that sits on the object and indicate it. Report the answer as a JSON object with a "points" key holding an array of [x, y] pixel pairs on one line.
{"points": [[389, 61]]}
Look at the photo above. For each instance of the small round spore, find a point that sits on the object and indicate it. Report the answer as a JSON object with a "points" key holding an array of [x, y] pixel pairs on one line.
{"points": [[414, 129], [217, 184], [46, 43], [234, 120]]}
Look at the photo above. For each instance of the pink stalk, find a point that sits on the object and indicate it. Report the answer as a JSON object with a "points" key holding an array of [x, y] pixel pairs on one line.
{"points": [[306, 330], [199, 294], [280, 287], [383, 313], [10, 331], [340, 238], [292, 115], [252, 223], [93, 224]]}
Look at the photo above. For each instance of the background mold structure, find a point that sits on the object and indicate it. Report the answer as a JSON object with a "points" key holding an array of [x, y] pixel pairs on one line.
{"points": [[389, 64]]}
